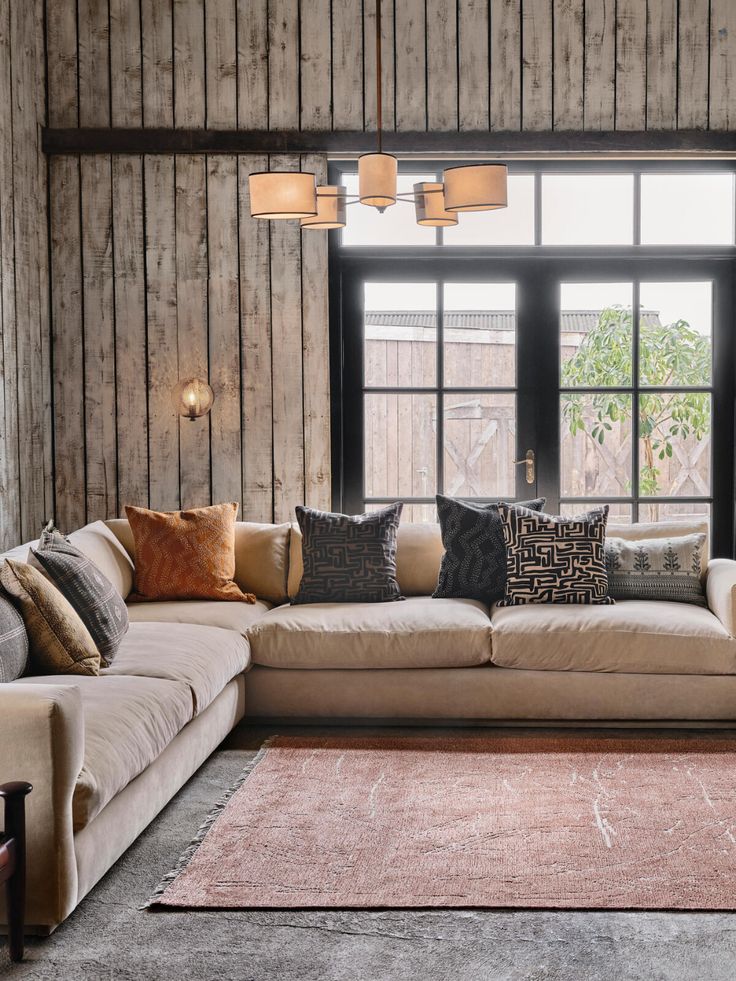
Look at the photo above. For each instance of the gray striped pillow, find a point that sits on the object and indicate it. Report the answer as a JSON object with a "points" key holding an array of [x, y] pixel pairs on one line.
{"points": [[94, 598], [13, 642]]}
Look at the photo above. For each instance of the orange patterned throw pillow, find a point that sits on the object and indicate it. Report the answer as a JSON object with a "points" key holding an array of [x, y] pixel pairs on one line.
{"points": [[185, 554]]}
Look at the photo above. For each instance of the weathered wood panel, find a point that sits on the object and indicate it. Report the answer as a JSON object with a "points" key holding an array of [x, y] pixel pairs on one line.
{"points": [[469, 64], [189, 63], [286, 356], [93, 44], [505, 64], [158, 62], [283, 64], [388, 75], [62, 56], [661, 67], [411, 65], [569, 64], [224, 327], [221, 64], [347, 70], [252, 64], [442, 64], [599, 85], [692, 64], [256, 352], [192, 318], [631, 64], [722, 110], [536, 77], [126, 55]]}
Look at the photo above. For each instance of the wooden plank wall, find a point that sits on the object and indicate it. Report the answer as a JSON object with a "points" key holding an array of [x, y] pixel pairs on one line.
{"points": [[157, 269], [26, 489]]}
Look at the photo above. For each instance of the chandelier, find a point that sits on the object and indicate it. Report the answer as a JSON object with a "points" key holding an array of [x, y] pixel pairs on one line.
{"points": [[291, 194]]}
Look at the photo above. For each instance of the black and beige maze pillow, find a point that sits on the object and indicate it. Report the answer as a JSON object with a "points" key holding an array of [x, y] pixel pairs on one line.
{"points": [[552, 559], [657, 569], [349, 558]]}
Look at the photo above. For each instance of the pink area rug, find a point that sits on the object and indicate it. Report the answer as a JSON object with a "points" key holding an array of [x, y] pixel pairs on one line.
{"points": [[495, 820]]}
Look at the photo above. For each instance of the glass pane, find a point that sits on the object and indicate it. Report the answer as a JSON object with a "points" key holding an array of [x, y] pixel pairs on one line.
{"points": [[480, 334], [513, 225], [396, 226], [618, 514], [400, 334], [674, 444], [413, 514], [587, 209], [674, 511], [675, 329], [687, 209], [400, 445], [480, 443], [595, 334], [596, 445]]}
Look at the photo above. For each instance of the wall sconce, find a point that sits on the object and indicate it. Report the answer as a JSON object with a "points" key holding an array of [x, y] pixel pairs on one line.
{"points": [[193, 398]]}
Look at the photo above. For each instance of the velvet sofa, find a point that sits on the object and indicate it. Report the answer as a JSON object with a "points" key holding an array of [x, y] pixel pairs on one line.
{"points": [[106, 754]]}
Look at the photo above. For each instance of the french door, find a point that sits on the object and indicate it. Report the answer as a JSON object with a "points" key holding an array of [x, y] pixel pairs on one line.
{"points": [[582, 380]]}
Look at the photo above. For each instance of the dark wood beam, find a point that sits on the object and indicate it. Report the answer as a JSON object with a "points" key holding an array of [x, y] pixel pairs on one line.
{"points": [[572, 144]]}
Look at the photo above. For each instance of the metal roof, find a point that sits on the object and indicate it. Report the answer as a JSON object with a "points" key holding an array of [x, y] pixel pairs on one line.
{"points": [[572, 320]]}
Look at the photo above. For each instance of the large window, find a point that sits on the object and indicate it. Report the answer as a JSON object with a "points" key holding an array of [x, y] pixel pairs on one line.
{"points": [[589, 324]]}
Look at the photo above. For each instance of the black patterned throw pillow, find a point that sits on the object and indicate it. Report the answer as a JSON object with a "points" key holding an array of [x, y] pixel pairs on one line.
{"points": [[474, 563], [553, 559], [98, 604], [348, 558]]}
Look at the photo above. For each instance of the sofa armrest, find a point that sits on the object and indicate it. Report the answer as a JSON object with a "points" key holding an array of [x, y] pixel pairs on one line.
{"points": [[42, 741], [720, 591]]}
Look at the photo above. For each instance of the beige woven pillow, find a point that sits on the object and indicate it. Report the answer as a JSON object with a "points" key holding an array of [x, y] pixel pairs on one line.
{"points": [[59, 643]]}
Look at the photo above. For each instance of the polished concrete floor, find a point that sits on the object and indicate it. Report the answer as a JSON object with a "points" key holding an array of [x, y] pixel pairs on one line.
{"points": [[109, 938]]}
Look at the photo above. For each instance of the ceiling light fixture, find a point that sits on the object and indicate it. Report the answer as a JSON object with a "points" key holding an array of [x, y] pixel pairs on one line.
{"points": [[292, 194]]}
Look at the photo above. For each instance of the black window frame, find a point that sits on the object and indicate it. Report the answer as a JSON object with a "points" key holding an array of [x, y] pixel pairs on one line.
{"points": [[545, 266]]}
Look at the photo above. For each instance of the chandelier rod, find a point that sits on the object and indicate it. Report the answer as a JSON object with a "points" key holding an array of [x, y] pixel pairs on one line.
{"points": [[379, 103]]}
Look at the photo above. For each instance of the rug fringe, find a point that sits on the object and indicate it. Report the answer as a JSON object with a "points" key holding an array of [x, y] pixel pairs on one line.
{"points": [[188, 854]]}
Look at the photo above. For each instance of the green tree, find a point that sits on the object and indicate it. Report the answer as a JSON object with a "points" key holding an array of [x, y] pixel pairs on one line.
{"points": [[669, 355]]}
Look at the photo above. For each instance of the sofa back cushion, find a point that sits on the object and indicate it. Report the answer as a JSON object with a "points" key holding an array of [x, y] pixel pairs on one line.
{"points": [[102, 547], [261, 556]]}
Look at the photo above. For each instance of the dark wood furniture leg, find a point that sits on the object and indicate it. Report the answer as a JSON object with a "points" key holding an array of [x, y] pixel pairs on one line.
{"points": [[13, 862]]}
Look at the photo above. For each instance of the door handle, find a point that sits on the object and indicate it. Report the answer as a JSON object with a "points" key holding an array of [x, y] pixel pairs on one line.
{"points": [[528, 461]]}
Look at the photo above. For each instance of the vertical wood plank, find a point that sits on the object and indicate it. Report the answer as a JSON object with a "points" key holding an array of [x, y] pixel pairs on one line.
{"points": [[255, 340], [192, 321], [443, 53], [126, 63], [283, 64], [68, 340], [189, 76], [316, 357], [315, 66], [388, 75], [631, 33], [474, 79], [722, 110], [99, 337], [221, 64], [287, 377], [600, 65], [661, 64], [505, 64], [569, 64], [94, 62], [347, 67], [163, 361], [61, 41], [536, 77], [224, 327], [30, 306], [252, 64], [10, 532], [158, 62], [692, 65], [411, 65], [130, 331]]}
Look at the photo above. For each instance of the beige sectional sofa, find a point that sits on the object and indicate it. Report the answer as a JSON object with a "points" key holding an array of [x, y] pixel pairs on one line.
{"points": [[106, 754]]}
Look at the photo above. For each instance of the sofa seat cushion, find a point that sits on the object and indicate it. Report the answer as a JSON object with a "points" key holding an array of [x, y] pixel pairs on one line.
{"points": [[128, 723], [208, 613], [419, 632], [634, 636], [203, 658]]}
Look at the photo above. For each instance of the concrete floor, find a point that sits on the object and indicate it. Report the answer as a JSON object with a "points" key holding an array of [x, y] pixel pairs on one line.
{"points": [[107, 937]]}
